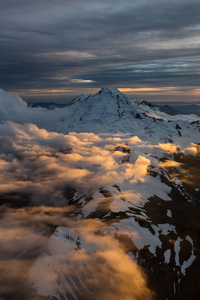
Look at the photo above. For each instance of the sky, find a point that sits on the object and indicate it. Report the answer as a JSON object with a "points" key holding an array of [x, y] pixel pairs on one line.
{"points": [[53, 50]]}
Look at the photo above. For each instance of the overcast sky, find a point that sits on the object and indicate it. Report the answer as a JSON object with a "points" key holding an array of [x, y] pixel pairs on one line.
{"points": [[52, 50]]}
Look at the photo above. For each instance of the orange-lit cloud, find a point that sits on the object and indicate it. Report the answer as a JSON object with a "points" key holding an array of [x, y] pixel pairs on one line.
{"points": [[147, 89], [138, 171], [169, 164], [115, 273], [168, 147], [32, 257]]}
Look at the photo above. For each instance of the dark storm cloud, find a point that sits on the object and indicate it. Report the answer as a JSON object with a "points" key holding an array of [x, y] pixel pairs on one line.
{"points": [[48, 44], [182, 70]]}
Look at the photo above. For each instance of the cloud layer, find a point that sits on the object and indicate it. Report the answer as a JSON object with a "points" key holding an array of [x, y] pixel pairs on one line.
{"points": [[41, 172], [64, 47]]}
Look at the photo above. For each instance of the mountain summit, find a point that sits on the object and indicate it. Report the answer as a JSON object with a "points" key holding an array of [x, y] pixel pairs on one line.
{"points": [[111, 91]]}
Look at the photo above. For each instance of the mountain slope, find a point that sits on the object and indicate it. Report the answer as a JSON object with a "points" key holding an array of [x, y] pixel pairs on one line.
{"points": [[104, 205], [109, 111]]}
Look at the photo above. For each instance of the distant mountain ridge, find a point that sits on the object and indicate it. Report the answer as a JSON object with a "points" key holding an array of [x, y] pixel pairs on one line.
{"points": [[175, 109]]}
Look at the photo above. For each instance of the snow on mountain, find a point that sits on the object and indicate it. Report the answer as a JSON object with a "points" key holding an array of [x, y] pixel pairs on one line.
{"points": [[109, 111], [102, 110]]}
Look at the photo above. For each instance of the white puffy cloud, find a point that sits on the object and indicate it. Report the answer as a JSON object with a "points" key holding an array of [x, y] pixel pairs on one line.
{"points": [[13, 108]]}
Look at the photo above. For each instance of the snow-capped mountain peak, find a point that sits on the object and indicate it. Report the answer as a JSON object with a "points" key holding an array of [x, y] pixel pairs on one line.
{"points": [[110, 111], [107, 107]]}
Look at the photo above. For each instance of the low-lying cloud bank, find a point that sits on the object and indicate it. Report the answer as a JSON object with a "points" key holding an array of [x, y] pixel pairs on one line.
{"points": [[40, 167], [42, 173], [91, 263], [77, 262], [14, 109], [42, 164]]}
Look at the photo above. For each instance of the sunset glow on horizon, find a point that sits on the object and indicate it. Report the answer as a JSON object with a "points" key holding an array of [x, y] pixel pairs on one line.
{"points": [[156, 94]]}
